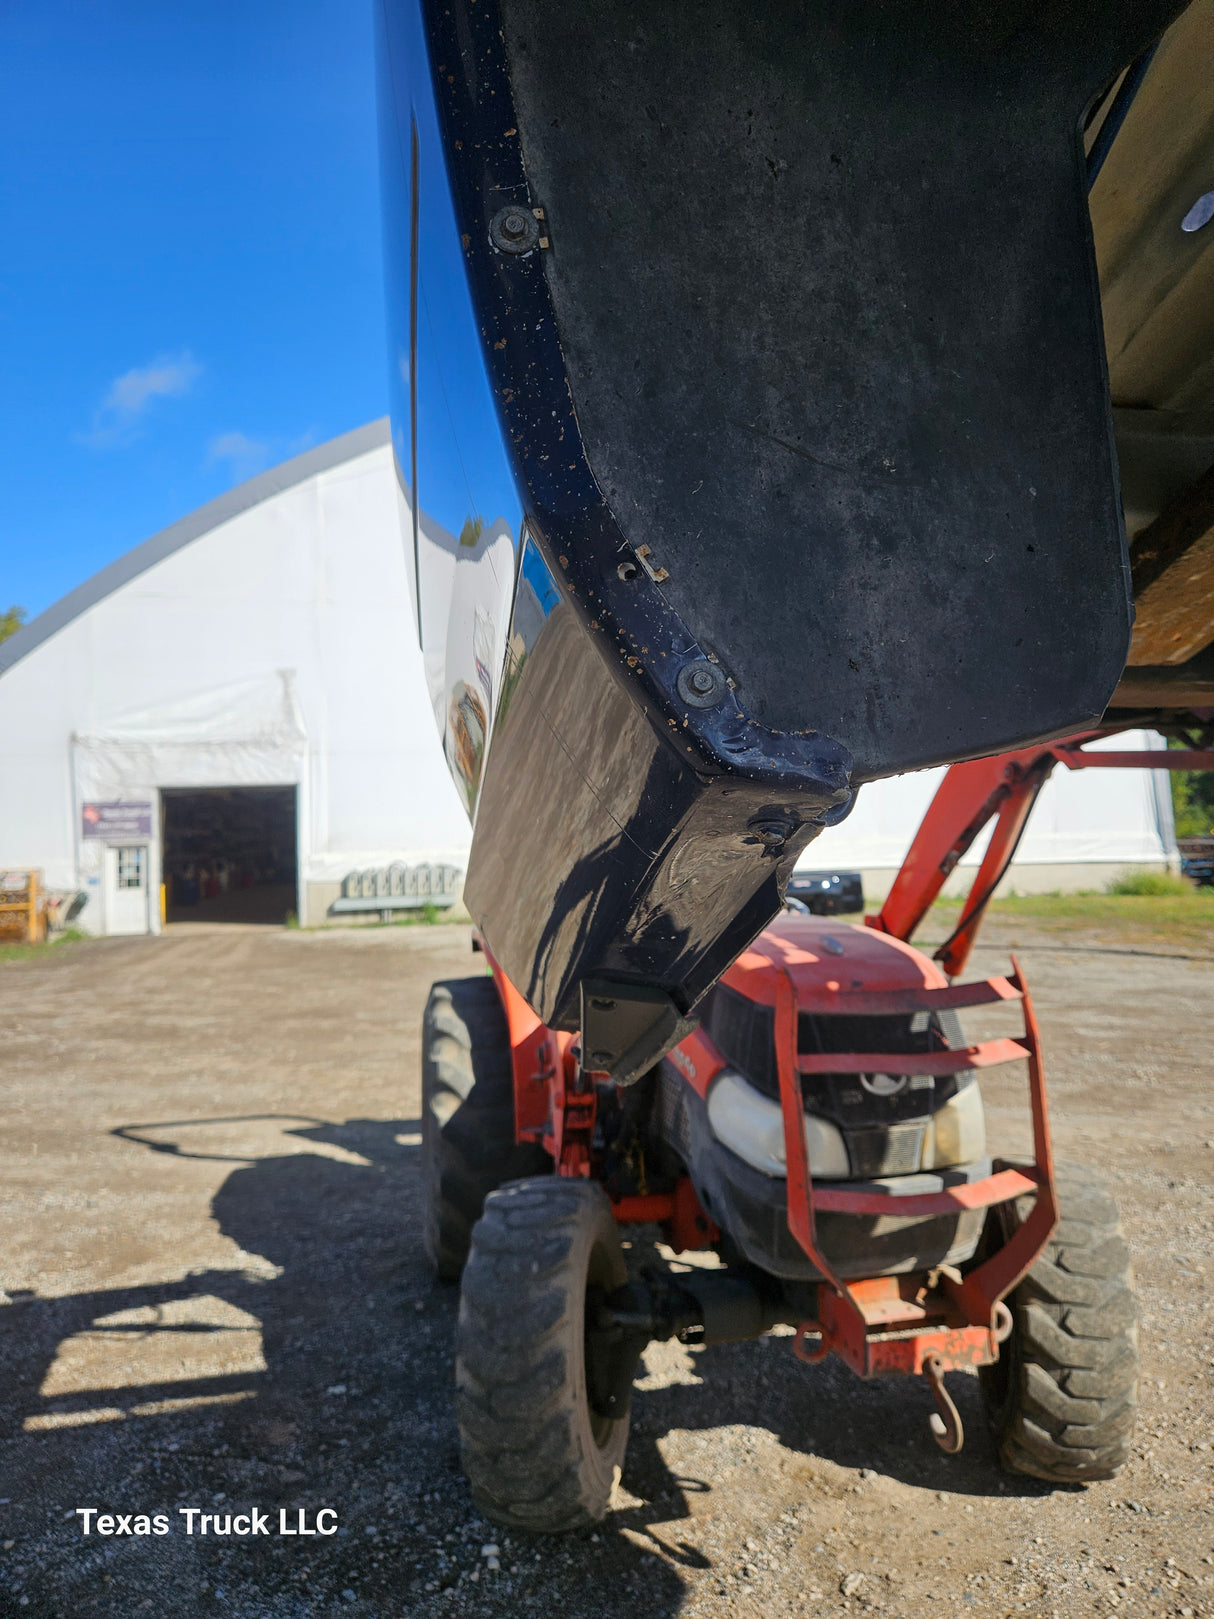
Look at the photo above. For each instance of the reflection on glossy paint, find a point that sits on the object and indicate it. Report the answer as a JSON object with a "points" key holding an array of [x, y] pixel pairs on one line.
{"points": [[460, 510], [464, 741], [535, 598]]}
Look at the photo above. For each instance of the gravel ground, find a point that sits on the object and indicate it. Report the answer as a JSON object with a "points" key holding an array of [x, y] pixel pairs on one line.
{"points": [[217, 1300]]}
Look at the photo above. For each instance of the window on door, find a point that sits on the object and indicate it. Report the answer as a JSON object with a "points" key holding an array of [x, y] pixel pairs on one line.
{"points": [[130, 868]]}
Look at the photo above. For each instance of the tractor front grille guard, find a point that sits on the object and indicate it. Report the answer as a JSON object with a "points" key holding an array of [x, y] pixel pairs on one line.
{"points": [[883, 1325], [890, 1325]]}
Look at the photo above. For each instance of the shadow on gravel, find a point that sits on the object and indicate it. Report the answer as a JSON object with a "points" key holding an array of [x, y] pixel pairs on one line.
{"points": [[821, 1411], [328, 1384]]}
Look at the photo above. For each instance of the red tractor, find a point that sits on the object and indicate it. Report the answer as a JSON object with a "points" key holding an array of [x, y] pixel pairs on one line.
{"points": [[750, 375], [821, 1131]]}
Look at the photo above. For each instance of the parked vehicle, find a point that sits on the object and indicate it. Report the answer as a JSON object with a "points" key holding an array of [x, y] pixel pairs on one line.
{"points": [[752, 365]]}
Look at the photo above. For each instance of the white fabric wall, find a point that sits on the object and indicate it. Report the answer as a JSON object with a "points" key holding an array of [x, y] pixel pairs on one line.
{"points": [[278, 646], [1082, 817], [281, 646]]}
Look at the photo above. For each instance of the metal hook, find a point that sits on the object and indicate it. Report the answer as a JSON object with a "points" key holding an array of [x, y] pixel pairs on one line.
{"points": [[946, 1427]]}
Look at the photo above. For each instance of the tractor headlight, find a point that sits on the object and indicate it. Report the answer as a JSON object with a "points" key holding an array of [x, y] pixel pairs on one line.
{"points": [[956, 1133], [752, 1126]]}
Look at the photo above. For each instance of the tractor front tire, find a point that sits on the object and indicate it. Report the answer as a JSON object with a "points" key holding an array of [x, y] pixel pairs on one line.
{"points": [[1063, 1396], [538, 1456], [468, 1145]]}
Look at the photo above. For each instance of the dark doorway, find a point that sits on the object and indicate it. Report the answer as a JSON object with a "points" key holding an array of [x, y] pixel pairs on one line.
{"points": [[229, 853]]}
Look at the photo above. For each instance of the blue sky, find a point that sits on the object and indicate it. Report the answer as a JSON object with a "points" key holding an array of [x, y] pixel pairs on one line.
{"points": [[190, 272]]}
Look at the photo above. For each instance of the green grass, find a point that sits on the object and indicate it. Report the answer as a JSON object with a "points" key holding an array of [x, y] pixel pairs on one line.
{"points": [[1180, 919], [1150, 885], [426, 915], [49, 947]]}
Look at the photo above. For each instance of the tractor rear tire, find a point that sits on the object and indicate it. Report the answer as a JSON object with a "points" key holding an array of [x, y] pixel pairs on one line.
{"points": [[1063, 1396], [538, 1457], [468, 1145]]}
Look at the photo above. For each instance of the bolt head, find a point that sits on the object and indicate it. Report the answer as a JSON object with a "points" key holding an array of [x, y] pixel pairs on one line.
{"points": [[769, 832], [701, 684], [513, 229]]}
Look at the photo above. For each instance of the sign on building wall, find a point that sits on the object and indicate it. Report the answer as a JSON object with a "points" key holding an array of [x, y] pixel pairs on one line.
{"points": [[118, 820]]}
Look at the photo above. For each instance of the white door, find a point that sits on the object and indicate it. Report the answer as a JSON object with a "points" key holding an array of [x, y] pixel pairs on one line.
{"points": [[126, 889]]}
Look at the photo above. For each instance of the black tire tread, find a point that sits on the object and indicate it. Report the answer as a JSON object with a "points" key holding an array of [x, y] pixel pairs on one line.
{"points": [[467, 1115], [1070, 1406], [520, 1397]]}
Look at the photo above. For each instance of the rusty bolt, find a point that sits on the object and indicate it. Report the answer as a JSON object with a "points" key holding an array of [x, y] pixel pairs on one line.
{"points": [[769, 833], [701, 684], [514, 229]]}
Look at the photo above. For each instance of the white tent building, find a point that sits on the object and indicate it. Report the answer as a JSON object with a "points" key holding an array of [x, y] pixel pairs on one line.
{"points": [[251, 674], [1087, 827], [236, 710]]}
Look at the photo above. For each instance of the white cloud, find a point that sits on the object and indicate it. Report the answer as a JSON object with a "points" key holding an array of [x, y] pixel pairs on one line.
{"points": [[168, 376], [244, 455]]}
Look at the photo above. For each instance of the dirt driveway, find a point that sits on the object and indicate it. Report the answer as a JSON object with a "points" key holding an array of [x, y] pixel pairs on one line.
{"points": [[217, 1301]]}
